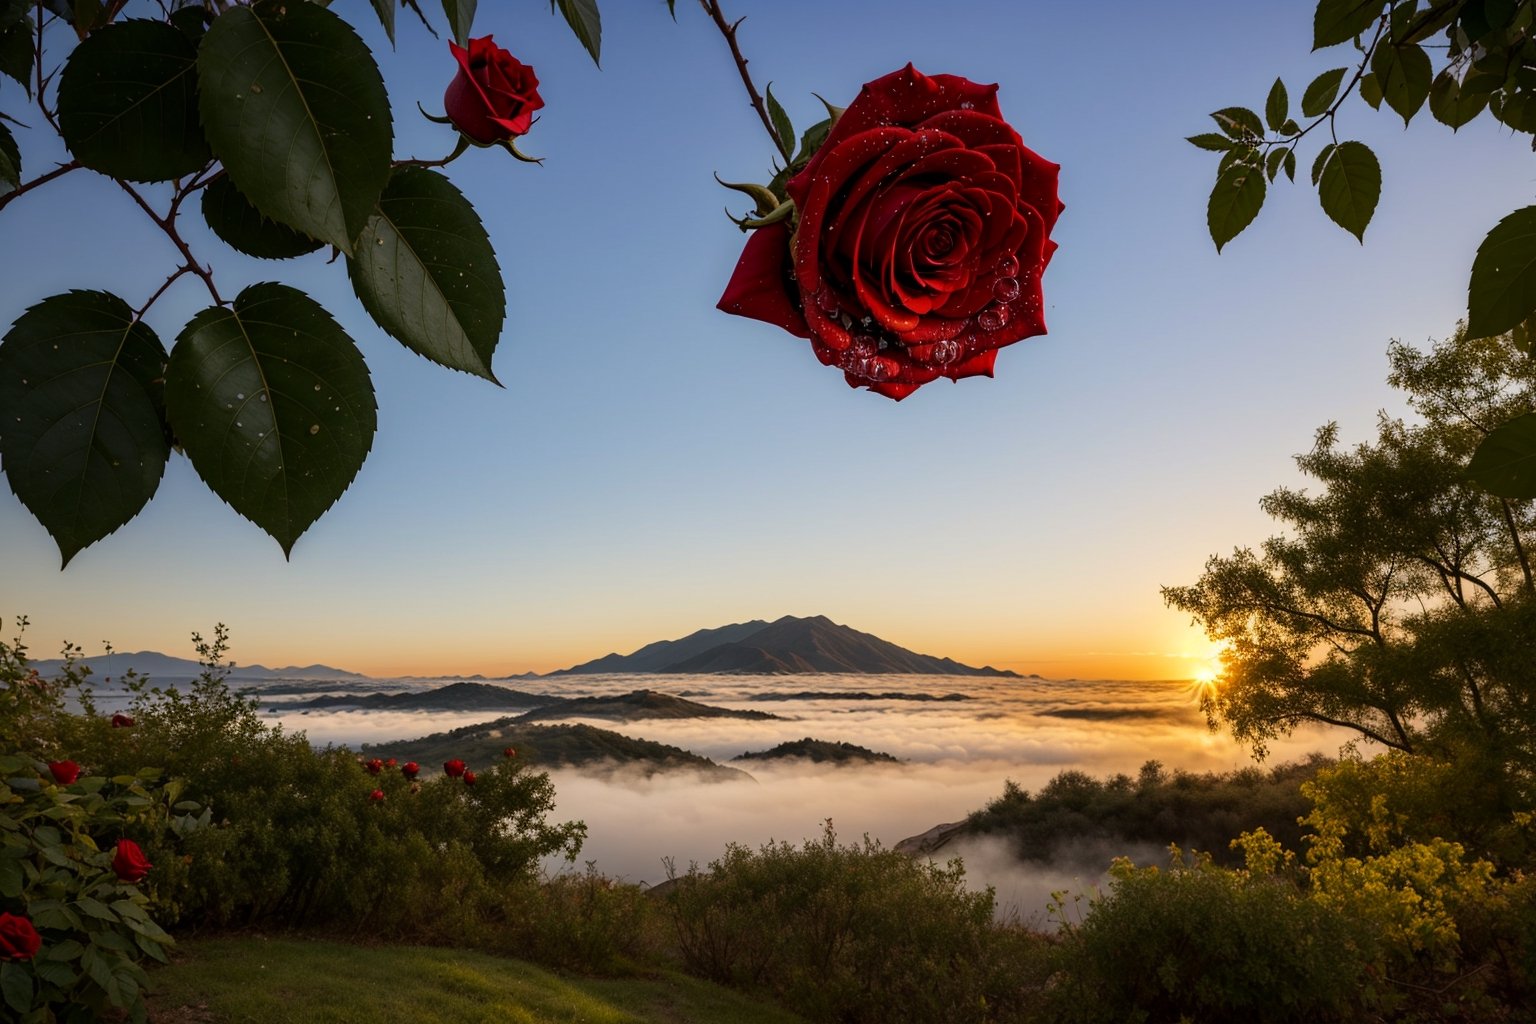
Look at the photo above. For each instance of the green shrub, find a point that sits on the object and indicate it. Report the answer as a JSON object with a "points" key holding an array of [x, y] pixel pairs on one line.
{"points": [[1203, 942], [583, 922], [839, 933], [75, 890]]}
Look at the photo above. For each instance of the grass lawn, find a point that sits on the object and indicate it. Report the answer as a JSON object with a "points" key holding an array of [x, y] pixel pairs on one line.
{"points": [[299, 981]]}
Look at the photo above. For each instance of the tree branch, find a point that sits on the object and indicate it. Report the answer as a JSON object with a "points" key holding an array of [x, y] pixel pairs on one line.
{"points": [[41, 179]]}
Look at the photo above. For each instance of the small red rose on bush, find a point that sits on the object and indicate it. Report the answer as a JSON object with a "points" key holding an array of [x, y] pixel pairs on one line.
{"points": [[409, 769], [18, 939], [923, 228], [509, 752], [377, 796], [390, 763], [129, 862], [469, 777], [374, 766], [494, 95], [64, 772], [453, 769], [122, 721]]}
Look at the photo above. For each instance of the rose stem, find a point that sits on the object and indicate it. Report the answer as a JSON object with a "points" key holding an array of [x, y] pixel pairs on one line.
{"points": [[728, 29]]}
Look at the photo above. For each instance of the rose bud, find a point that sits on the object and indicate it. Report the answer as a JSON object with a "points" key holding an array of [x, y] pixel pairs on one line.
{"points": [[390, 763], [122, 721], [453, 769], [409, 769], [129, 862], [374, 767], [64, 772], [377, 796], [922, 229], [469, 777], [509, 752], [18, 939], [494, 95]]}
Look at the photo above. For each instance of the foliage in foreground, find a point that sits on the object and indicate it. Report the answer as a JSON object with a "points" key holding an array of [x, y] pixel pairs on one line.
{"points": [[1074, 810]]}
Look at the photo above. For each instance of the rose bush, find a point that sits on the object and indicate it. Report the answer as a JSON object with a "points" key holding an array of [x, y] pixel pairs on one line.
{"points": [[494, 95], [18, 939], [922, 227]]}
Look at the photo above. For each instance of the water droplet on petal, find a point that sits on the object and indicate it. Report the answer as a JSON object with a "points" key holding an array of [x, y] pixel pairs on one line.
{"points": [[993, 318], [314, 428], [1008, 267], [1006, 289], [946, 351]]}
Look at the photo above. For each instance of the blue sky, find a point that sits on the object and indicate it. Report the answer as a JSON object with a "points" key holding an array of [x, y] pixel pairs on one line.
{"points": [[654, 466]]}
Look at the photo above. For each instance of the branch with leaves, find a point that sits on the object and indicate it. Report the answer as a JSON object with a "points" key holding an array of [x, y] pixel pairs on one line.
{"points": [[1489, 66]]}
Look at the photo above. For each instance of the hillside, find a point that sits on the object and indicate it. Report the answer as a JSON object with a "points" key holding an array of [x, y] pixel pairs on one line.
{"points": [[453, 697], [820, 752], [786, 646], [550, 746], [634, 706]]}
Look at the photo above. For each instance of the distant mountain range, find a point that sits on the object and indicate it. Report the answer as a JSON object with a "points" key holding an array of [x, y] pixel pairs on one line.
{"points": [[785, 646], [164, 668]]}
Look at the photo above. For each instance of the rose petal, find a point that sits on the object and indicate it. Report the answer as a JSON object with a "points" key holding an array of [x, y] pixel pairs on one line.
{"points": [[760, 286]]}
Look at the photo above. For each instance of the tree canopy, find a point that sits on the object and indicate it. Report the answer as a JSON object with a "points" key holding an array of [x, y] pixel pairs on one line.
{"points": [[1399, 602]]}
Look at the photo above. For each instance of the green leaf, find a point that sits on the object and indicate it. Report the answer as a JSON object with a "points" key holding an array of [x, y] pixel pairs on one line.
{"points": [[192, 21], [1277, 106], [17, 51], [1350, 186], [96, 909], [1239, 122], [293, 105], [385, 9], [1450, 104], [1320, 94], [1290, 164], [243, 227], [1211, 141], [583, 18], [1235, 201], [1515, 110], [128, 103], [817, 133], [1427, 22], [1274, 161], [1502, 292], [782, 126], [10, 162], [1321, 162], [16, 986], [1404, 74], [10, 878], [1338, 21], [1370, 90], [273, 405], [1505, 463], [427, 274], [461, 17], [82, 432]]}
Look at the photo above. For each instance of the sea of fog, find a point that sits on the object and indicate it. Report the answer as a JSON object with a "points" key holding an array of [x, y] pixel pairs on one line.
{"points": [[956, 756]]}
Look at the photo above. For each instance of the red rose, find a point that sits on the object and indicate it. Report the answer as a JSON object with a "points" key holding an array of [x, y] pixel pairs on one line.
{"points": [[129, 862], [390, 763], [377, 796], [122, 722], [18, 939], [494, 95], [454, 768], [409, 769], [469, 777], [64, 772], [923, 228], [374, 767], [509, 752]]}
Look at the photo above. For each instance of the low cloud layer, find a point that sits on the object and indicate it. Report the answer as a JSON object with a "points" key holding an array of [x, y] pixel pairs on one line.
{"points": [[956, 757]]}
